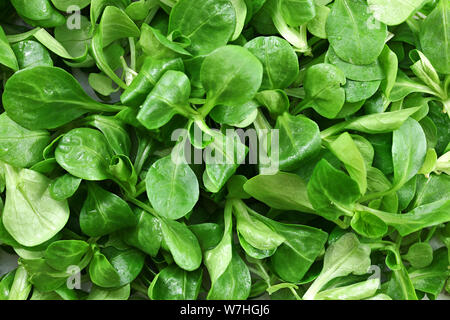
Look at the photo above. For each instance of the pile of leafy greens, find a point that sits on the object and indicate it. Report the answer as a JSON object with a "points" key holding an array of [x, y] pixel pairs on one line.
{"points": [[98, 201]]}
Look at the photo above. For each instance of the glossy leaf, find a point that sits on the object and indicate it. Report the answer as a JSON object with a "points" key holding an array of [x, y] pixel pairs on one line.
{"points": [[104, 212], [25, 102], [346, 255], [299, 140], [323, 89], [279, 61], [354, 33], [209, 24], [173, 283], [434, 37], [284, 191], [21, 147], [7, 57], [408, 151], [231, 75], [393, 12], [30, 214], [84, 153], [169, 97], [331, 192], [182, 243], [172, 188]]}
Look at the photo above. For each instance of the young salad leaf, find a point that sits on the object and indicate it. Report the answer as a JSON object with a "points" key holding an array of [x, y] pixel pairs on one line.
{"points": [[224, 150]]}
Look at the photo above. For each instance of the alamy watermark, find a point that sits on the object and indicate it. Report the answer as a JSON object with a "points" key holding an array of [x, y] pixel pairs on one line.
{"points": [[74, 18], [234, 146], [74, 279]]}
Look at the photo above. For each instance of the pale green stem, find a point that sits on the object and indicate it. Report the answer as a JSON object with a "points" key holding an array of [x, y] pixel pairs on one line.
{"points": [[21, 287]]}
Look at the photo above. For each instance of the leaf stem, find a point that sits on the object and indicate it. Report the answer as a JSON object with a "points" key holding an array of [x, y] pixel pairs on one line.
{"points": [[446, 104], [335, 129], [140, 189], [305, 104], [21, 287], [142, 205], [132, 54], [207, 107]]}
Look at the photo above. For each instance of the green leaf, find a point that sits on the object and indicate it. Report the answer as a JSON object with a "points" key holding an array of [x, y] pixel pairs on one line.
{"points": [[7, 57], [360, 90], [42, 276], [431, 279], [345, 256], [279, 61], [101, 84], [368, 225], [145, 235], [284, 191], [101, 58], [297, 253], [297, 12], [98, 293], [64, 5], [149, 74], [276, 101], [254, 252], [234, 283], [218, 258], [35, 98], [64, 187], [367, 72], [30, 53], [408, 151], [323, 89], [331, 192], [208, 234], [14, 139], [240, 8], [115, 24], [158, 46], [345, 149], [381, 122], [357, 291], [209, 24], [31, 215], [389, 63], [114, 131], [354, 33], [424, 216], [169, 97], [172, 188], [223, 156], [74, 41], [39, 13], [238, 116], [405, 86], [316, 26], [231, 75], [393, 12], [400, 286], [434, 37], [102, 273], [104, 212], [182, 243], [113, 268], [255, 232], [5, 284], [299, 140], [173, 283], [419, 255], [85, 154], [64, 253]]}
